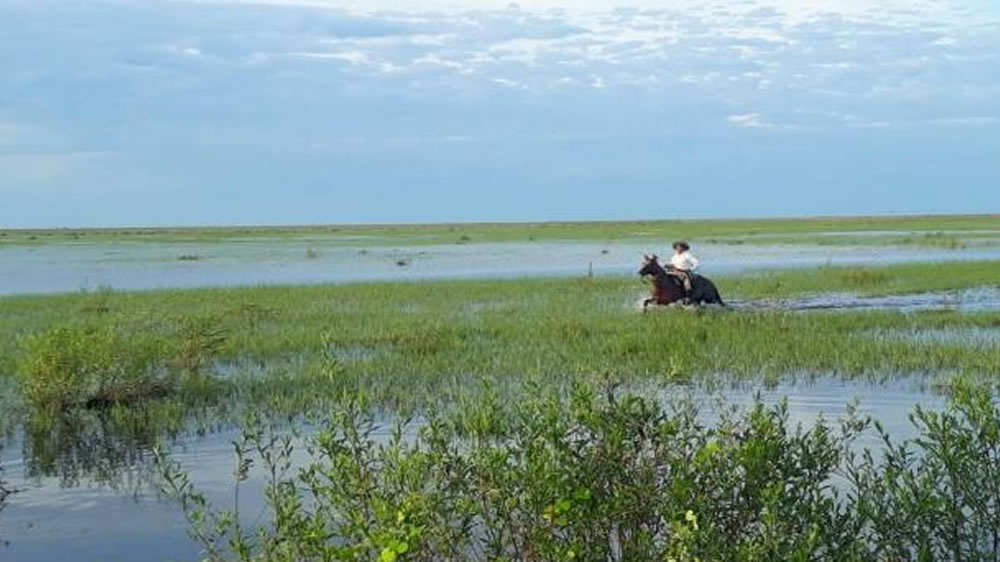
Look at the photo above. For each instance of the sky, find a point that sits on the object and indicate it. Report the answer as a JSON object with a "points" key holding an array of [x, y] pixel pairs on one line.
{"points": [[194, 112]]}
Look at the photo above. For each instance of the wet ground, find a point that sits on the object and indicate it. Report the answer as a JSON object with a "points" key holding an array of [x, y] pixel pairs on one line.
{"points": [[74, 266], [97, 523]]}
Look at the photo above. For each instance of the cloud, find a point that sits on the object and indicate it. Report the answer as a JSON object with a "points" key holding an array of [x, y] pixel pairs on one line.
{"points": [[508, 83], [353, 57], [749, 120], [205, 91]]}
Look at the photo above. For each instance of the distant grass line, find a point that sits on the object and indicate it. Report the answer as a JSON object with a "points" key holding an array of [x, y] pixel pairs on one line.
{"points": [[928, 230]]}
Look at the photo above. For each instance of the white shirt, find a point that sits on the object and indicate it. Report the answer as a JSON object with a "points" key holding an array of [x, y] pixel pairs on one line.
{"points": [[685, 261]]}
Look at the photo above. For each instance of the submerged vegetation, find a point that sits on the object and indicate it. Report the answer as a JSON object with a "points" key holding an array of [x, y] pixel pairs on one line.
{"points": [[614, 476]]}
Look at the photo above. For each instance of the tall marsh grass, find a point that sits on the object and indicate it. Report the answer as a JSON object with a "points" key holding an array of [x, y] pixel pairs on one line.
{"points": [[122, 346]]}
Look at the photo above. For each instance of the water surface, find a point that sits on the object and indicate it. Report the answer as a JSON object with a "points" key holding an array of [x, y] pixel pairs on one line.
{"points": [[65, 267]]}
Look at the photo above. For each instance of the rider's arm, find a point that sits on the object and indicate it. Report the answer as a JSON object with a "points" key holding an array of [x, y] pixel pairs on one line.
{"points": [[693, 263]]}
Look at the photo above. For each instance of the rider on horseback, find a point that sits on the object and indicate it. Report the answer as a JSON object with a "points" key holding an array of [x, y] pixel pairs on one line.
{"points": [[683, 265]]}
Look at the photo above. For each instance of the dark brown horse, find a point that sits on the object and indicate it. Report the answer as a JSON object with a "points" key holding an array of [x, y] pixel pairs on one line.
{"points": [[667, 289]]}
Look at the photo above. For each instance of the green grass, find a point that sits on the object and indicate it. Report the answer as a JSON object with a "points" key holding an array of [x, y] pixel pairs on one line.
{"points": [[76, 368], [418, 333], [865, 281], [944, 231]]}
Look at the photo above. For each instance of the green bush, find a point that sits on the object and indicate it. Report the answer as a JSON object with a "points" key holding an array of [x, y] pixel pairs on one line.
{"points": [[600, 477], [936, 497], [85, 366]]}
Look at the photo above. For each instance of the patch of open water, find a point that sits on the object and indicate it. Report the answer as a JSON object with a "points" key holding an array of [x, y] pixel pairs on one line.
{"points": [[151, 265], [969, 300], [48, 519]]}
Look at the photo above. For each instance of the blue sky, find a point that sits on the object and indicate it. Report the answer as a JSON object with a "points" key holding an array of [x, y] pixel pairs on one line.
{"points": [[151, 112]]}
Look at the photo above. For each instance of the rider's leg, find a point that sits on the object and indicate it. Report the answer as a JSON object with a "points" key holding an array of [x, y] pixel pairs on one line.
{"points": [[685, 277]]}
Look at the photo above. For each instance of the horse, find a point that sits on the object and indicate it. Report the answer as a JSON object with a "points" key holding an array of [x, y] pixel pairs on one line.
{"points": [[667, 289]]}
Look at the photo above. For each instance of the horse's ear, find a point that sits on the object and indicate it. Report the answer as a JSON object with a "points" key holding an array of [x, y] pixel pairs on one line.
{"points": [[645, 257], [654, 258]]}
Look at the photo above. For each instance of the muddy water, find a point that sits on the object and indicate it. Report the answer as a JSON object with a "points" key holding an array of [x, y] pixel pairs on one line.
{"points": [[149, 265], [47, 520]]}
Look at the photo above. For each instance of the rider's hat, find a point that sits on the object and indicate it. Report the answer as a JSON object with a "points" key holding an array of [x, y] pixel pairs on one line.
{"points": [[682, 245]]}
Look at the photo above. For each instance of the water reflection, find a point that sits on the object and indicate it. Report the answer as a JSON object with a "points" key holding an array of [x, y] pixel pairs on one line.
{"points": [[102, 448], [5, 492]]}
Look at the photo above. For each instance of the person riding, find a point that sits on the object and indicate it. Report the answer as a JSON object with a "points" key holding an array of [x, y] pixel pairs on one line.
{"points": [[683, 265]]}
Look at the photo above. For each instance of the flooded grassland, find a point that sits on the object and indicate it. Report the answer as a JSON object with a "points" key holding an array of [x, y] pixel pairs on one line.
{"points": [[91, 382]]}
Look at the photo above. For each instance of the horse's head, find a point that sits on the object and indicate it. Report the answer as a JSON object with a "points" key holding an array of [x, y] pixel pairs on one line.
{"points": [[650, 266]]}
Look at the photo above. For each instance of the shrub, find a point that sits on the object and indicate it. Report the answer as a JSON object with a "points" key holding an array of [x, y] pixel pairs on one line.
{"points": [[936, 497], [616, 477], [85, 366], [198, 341], [588, 478]]}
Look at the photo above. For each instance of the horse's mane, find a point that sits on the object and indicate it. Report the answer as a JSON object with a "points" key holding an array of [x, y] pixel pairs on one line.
{"points": [[660, 273]]}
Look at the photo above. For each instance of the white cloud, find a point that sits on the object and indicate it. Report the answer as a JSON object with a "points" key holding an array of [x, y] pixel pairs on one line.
{"points": [[508, 83], [685, 60], [353, 57], [434, 59], [750, 120]]}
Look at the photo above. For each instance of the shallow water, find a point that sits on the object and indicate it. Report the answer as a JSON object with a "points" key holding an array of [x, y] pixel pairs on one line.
{"points": [[73, 266], [95, 523], [968, 300]]}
